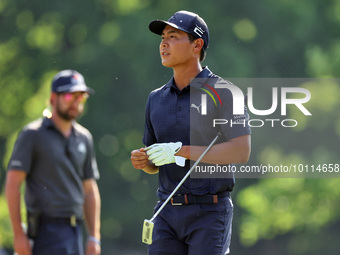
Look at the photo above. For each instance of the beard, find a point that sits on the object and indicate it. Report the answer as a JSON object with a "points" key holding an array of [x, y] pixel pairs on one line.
{"points": [[69, 113]]}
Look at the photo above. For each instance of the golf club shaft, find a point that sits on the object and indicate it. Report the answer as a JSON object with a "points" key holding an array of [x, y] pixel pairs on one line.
{"points": [[185, 177]]}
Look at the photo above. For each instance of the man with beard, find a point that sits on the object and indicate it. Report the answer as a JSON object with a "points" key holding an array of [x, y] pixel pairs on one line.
{"points": [[55, 157]]}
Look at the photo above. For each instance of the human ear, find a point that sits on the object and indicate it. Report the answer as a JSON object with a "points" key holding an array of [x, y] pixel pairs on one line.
{"points": [[199, 43], [53, 98]]}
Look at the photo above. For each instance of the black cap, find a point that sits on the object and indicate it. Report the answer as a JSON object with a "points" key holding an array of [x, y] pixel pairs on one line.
{"points": [[188, 22], [68, 81]]}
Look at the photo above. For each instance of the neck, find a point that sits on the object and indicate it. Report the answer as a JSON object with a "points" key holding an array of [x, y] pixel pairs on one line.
{"points": [[64, 126], [183, 75]]}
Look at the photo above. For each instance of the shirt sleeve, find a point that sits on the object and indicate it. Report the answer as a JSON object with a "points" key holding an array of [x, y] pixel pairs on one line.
{"points": [[91, 167], [237, 124], [23, 152], [149, 135]]}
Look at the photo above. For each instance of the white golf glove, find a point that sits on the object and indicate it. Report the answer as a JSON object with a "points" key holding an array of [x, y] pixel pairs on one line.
{"points": [[164, 153]]}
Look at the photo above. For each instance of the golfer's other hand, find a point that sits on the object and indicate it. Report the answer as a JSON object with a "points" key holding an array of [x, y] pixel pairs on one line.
{"points": [[139, 158]]}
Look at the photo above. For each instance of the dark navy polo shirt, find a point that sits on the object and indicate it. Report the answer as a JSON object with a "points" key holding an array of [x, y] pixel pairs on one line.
{"points": [[56, 167], [171, 117]]}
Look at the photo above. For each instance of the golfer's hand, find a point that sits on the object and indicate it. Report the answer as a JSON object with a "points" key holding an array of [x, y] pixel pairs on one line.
{"points": [[164, 153], [22, 245], [92, 248], [139, 158]]}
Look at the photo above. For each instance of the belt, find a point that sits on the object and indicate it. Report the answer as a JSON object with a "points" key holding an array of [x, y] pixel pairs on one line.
{"points": [[187, 199], [72, 221]]}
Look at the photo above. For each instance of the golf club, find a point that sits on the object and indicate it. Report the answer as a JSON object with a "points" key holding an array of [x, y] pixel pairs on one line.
{"points": [[148, 224]]}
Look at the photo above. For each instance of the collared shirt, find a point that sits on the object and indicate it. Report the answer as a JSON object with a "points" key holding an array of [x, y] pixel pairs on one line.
{"points": [[56, 167], [171, 117]]}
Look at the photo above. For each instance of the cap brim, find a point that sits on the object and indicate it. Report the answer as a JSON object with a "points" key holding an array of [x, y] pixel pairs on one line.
{"points": [[75, 88], [157, 26]]}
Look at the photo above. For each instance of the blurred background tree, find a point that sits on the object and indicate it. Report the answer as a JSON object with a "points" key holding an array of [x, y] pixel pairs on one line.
{"points": [[110, 44]]}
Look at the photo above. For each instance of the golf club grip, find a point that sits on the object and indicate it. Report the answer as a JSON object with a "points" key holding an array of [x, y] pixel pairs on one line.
{"points": [[186, 176]]}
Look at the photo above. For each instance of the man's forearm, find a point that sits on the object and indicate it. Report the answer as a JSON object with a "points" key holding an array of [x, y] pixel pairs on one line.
{"points": [[236, 150], [92, 211], [13, 196]]}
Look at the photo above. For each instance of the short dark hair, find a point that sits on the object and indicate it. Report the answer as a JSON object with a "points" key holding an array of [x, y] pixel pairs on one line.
{"points": [[203, 51]]}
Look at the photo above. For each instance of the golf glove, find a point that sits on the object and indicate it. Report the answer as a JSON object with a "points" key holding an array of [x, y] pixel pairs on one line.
{"points": [[164, 153]]}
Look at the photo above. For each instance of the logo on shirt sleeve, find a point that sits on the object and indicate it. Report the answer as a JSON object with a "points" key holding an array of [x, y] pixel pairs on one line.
{"points": [[16, 163], [82, 148]]}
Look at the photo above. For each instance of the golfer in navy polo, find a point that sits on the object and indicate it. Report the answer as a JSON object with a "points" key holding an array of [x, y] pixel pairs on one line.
{"points": [[198, 219]]}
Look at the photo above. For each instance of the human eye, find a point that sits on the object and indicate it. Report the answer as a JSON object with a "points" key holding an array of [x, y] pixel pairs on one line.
{"points": [[68, 96]]}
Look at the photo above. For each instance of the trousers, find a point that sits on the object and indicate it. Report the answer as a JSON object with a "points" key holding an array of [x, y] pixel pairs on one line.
{"points": [[56, 238], [194, 229]]}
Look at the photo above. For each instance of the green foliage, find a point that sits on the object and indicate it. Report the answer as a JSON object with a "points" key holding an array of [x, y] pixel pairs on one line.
{"points": [[5, 226], [277, 206]]}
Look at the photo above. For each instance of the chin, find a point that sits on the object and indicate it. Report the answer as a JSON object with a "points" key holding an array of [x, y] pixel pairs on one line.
{"points": [[166, 64]]}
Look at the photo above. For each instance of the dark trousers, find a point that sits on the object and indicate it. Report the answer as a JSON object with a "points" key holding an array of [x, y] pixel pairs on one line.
{"points": [[196, 229], [55, 238]]}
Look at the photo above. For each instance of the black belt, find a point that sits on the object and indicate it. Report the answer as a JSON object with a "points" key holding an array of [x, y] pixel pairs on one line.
{"points": [[187, 199], [72, 221]]}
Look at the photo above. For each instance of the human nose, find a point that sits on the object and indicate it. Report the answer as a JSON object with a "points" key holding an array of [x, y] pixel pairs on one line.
{"points": [[164, 43]]}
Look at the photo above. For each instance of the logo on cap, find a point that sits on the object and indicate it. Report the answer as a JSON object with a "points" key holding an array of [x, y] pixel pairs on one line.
{"points": [[198, 31], [77, 78]]}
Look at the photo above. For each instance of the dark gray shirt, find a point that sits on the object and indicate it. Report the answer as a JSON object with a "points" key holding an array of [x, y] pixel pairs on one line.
{"points": [[56, 167]]}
